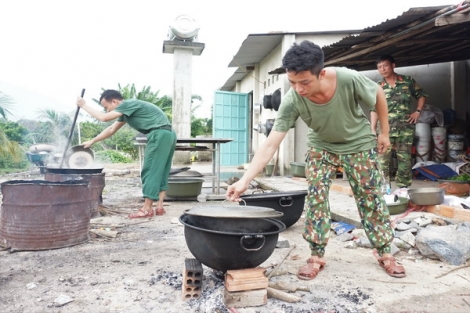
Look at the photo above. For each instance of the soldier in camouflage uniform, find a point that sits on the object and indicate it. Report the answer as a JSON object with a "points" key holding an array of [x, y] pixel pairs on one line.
{"points": [[327, 100], [399, 89]]}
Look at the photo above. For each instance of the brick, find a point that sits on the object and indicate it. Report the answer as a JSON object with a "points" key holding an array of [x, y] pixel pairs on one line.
{"points": [[192, 279]]}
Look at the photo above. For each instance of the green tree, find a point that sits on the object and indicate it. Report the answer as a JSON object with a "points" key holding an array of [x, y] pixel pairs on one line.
{"points": [[14, 131], [9, 149]]}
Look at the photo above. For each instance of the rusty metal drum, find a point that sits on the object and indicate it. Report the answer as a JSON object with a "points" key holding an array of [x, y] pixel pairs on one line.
{"points": [[97, 184], [39, 215]]}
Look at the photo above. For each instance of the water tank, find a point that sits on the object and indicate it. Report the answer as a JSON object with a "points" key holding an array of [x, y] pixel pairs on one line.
{"points": [[183, 28]]}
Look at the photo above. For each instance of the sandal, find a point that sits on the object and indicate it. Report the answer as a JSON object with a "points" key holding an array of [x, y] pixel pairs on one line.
{"points": [[141, 214], [309, 272], [160, 211], [391, 269]]}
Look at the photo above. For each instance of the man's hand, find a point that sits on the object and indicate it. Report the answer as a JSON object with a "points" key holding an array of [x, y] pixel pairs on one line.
{"points": [[383, 142], [87, 144], [414, 118], [235, 190], [80, 102]]}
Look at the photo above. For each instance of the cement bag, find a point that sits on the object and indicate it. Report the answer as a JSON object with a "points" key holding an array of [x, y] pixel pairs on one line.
{"points": [[431, 114]]}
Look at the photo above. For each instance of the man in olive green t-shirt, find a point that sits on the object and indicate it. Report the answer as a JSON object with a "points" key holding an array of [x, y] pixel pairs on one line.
{"points": [[327, 100], [148, 119]]}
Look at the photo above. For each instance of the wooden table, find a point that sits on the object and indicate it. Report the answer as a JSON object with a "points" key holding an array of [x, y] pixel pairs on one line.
{"points": [[183, 144]]}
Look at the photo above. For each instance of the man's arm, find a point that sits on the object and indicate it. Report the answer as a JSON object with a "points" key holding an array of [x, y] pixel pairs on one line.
{"points": [[262, 157], [419, 107], [99, 115], [383, 140], [373, 121], [106, 133]]}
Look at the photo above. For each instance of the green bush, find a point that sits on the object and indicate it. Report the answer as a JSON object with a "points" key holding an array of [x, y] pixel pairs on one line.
{"points": [[111, 156], [7, 162]]}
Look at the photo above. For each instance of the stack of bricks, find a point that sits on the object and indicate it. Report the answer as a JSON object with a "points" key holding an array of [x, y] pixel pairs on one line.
{"points": [[192, 279], [246, 288]]}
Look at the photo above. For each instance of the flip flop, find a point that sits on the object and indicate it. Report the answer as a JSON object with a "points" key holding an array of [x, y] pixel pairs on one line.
{"points": [[391, 269], [309, 272], [141, 214], [160, 211]]}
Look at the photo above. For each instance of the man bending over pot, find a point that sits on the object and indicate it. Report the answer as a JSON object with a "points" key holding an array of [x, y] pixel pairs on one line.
{"points": [[326, 99], [148, 119]]}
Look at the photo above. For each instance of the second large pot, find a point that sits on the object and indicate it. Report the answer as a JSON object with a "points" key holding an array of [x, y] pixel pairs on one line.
{"points": [[290, 203], [231, 243]]}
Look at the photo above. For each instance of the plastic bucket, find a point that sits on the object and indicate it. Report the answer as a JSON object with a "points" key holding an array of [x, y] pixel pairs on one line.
{"points": [[439, 136], [422, 151], [453, 155], [455, 142], [423, 131]]}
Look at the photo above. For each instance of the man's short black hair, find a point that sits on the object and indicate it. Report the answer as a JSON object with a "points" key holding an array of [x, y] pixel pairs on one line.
{"points": [[385, 57], [305, 56], [111, 94]]}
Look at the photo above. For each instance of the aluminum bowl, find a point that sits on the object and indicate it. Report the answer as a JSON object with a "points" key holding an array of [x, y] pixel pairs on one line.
{"points": [[427, 196]]}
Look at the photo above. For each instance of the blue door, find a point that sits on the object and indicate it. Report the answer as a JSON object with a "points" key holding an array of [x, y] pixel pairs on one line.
{"points": [[230, 120]]}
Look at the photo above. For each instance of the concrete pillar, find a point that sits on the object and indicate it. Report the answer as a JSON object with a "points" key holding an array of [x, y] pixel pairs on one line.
{"points": [[183, 52], [182, 91]]}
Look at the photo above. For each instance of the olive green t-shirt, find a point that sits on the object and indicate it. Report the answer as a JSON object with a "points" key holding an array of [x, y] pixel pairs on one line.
{"points": [[340, 125], [141, 115]]}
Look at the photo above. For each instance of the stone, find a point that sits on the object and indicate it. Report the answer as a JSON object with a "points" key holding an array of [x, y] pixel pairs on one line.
{"points": [[62, 300], [402, 226], [401, 244], [409, 238], [282, 244], [423, 222], [450, 244], [351, 245], [345, 237]]}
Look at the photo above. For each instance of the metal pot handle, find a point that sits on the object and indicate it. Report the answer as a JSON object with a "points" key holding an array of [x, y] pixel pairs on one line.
{"points": [[223, 203], [258, 190], [290, 199], [243, 238]]}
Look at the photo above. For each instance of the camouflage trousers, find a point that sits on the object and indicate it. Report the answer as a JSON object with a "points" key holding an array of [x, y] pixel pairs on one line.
{"points": [[402, 145], [365, 179]]}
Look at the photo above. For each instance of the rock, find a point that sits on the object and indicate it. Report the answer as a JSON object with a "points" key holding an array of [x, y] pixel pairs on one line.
{"points": [[62, 300], [345, 237], [363, 242], [450, 244], [282, 244], [409, 238], [403, 226], [31, 286], [351, 245], [359, 233], [423, 222], [401, 244]]}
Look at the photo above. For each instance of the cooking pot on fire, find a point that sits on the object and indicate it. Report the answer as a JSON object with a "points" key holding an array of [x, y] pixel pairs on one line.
{"points": [[231, 237]]}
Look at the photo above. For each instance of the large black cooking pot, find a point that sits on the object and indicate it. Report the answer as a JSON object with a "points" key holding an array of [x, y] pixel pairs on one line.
{"points": [[231, 243], [79, 171], [290, 203]]}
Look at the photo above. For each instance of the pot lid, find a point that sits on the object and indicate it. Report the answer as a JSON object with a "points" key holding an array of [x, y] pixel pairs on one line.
{"points": [[233, 211], [79, 157]]}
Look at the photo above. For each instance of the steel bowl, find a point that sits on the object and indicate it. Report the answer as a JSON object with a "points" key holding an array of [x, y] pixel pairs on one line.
{"points": [[427, 196]]}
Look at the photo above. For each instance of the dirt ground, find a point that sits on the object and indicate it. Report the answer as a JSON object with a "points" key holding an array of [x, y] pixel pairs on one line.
{"points": [[140, 270]]}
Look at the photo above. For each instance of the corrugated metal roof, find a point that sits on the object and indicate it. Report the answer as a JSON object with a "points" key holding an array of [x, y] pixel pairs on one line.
{"points": [[419, 36]]}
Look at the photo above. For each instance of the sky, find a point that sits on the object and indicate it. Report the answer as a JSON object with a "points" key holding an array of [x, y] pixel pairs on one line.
{"points": [[51, 49]]}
